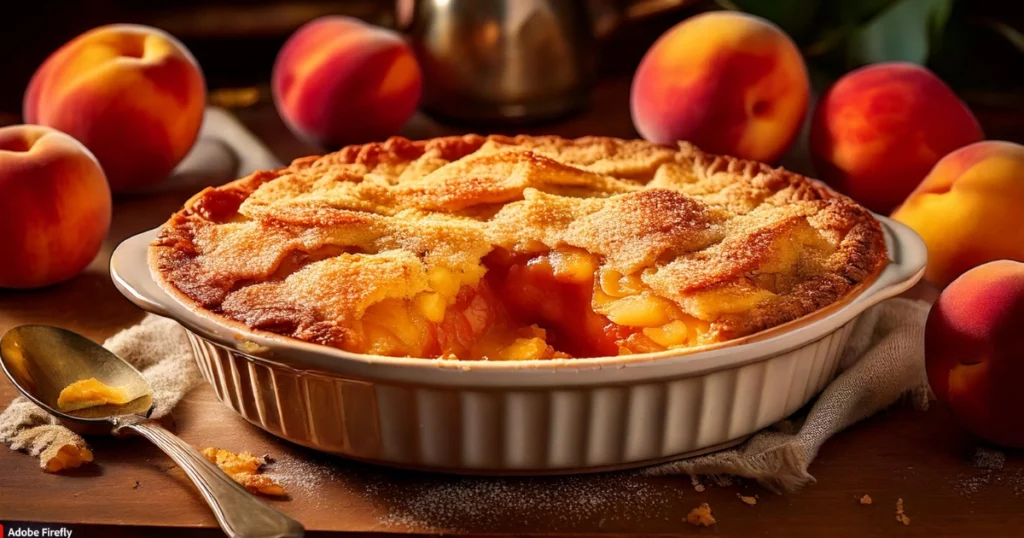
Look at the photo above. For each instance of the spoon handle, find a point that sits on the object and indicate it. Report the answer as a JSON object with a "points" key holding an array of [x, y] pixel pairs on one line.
{"points": [[239, 513]]}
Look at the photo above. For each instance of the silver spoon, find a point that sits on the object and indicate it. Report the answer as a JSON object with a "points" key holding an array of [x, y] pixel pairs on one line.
{"points": [[41, 361]]}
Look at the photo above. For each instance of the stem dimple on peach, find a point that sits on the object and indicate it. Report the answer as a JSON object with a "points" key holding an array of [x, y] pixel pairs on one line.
{"points": [[132, 46], [21, 144]]}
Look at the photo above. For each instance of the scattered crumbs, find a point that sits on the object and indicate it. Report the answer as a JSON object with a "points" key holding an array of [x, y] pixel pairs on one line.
{"points": [[701, 516], [697, 486], [246, 469], [747, 499], [865, 499], [900, 515], [986, 458], [136, 485]]}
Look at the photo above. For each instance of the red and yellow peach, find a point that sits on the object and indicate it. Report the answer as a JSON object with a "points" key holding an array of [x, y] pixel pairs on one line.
{"points": [[134, 95], [970, 209], [728, 82], [974, 350], [339, 81], [878, 131], [54, 206]]}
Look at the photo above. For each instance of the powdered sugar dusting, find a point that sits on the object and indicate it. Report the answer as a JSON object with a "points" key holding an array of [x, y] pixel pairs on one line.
{"points": [[561, 502], [986, 458], [307, 476], [991, 469]]}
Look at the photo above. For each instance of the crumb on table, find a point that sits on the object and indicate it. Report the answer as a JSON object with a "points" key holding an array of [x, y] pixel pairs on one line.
{"points": [[866, 499], [244, 468], [68, 456], [747, 499], [697, 486], [701, 516], [900, 515]]}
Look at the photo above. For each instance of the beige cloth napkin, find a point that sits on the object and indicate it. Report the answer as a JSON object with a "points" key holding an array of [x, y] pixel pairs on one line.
{"points": [[883, 361], [157, 347]]}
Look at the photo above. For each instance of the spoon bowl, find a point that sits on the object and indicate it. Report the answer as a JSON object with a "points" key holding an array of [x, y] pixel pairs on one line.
{"points": [[41, 361]]}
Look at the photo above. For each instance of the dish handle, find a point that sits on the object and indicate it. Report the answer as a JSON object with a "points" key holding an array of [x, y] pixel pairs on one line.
{"points": [[908, 256], [129, 270]]}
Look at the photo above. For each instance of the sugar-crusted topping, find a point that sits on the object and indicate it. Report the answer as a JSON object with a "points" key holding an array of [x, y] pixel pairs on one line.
{"points": [[305, 250]]}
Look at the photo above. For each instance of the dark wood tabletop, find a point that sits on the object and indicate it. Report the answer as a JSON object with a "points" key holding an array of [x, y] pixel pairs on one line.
{"points": [[950, 484]]}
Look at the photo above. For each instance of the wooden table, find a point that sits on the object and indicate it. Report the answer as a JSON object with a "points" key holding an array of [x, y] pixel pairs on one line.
{"points": [[922, 457]]}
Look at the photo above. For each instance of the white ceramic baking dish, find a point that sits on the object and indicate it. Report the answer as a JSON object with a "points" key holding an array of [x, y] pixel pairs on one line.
{"points": [[555, 416]]}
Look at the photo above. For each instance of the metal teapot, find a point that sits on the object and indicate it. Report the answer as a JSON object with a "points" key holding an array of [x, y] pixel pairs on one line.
{"points": [[511, 61]]}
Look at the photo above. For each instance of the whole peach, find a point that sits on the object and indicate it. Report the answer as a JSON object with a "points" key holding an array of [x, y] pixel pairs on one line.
{"points": [[134, 95], [879, 129], [728, 82], [339, 81], [969, 209], [54, 206], [974, 350]]}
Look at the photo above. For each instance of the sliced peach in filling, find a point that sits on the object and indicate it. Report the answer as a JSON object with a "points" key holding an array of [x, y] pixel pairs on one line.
{"points": [[538, 306]]}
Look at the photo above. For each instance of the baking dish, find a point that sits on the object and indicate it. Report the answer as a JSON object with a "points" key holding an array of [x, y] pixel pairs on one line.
{"points": [[524, 417]]}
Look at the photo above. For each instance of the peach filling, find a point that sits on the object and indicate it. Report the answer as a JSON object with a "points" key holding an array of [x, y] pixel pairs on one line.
{"points": [[90, 393], [558, 304]]}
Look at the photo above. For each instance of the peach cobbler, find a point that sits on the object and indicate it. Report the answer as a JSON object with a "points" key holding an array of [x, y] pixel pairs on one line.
{"points": [[517, 248]]}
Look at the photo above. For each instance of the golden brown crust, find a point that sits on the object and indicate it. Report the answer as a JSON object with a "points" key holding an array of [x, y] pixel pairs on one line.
{"points": [[304, 250]]}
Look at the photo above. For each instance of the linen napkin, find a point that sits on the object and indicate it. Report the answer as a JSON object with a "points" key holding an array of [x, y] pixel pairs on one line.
{"points": [[157, 347], [883, 361]]}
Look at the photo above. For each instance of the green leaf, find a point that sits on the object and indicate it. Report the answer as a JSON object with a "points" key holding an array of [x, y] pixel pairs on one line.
{"points": [[903, 32], [793, 16]]}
